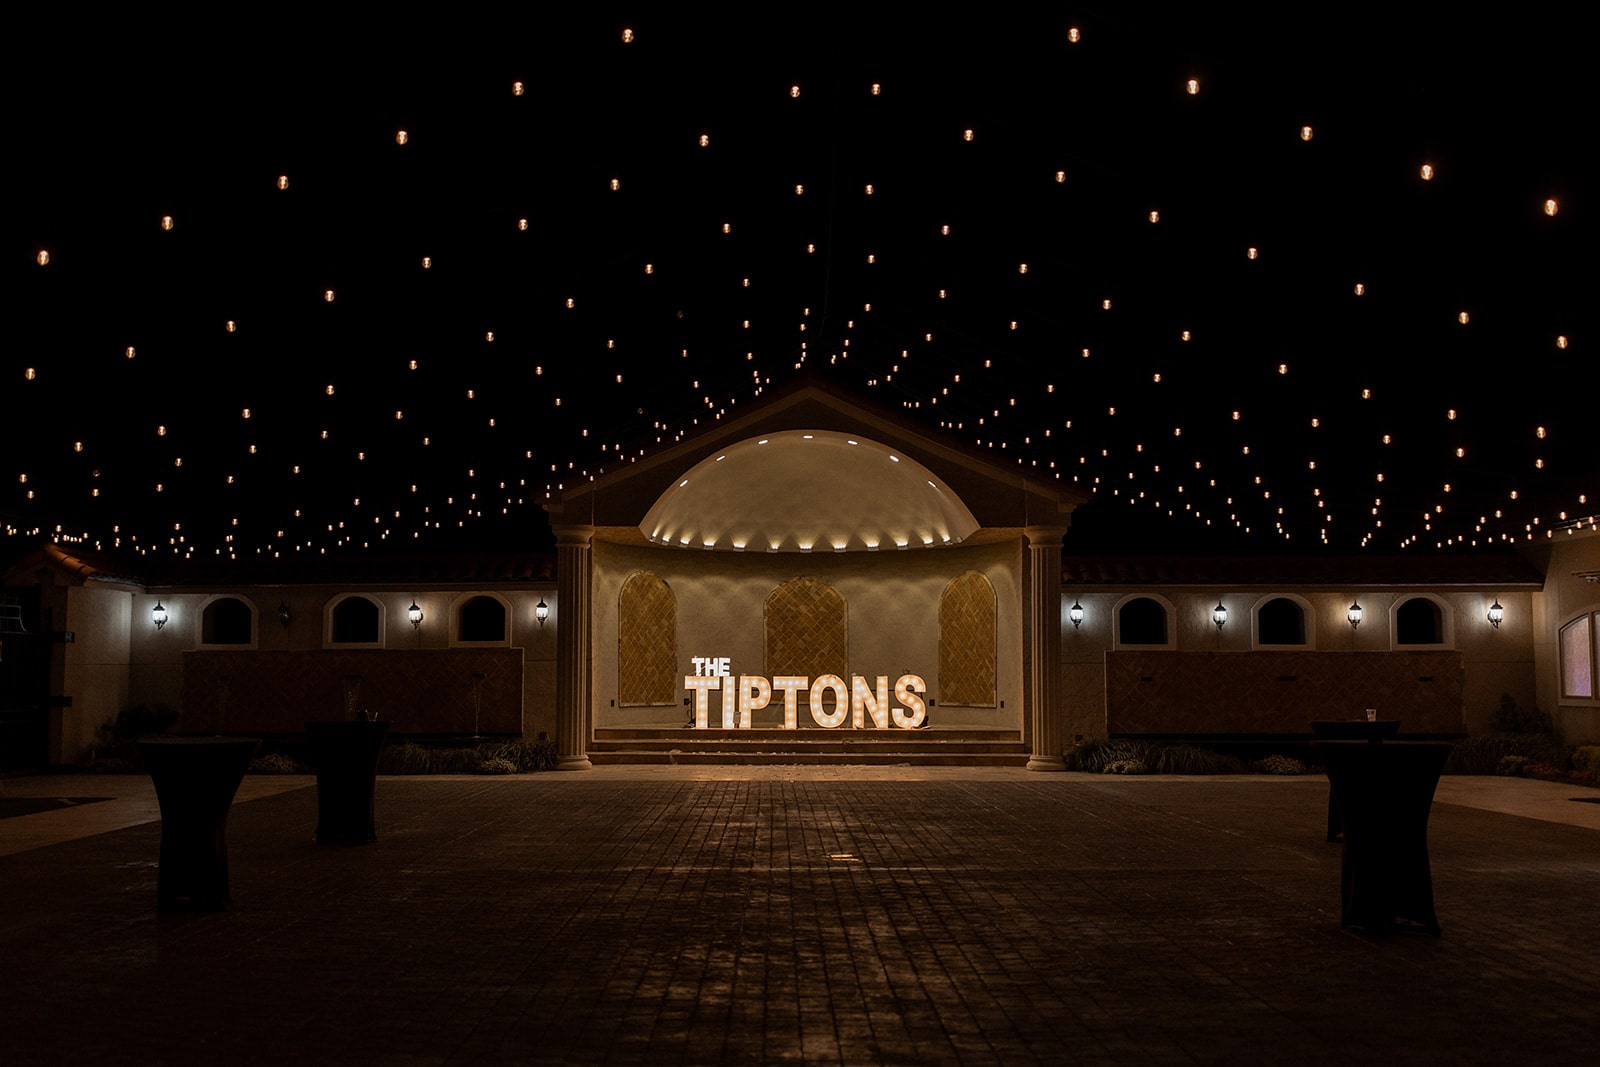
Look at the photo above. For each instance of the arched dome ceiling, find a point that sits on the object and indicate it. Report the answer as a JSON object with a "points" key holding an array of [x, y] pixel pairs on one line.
{"points": [[805, 491]]}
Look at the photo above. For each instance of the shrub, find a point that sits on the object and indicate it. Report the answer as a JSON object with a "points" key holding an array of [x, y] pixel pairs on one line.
{"points": [[1509, 718], [519, 756], [1510, 766], [407, 758], [1586, 759], [1279, 765], [278, 763], [1482, 754], [497, 765], [115, 748], [1152, 757]]}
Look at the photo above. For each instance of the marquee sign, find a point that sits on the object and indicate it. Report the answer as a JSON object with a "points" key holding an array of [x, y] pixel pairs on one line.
{"points": [[859, 700]]}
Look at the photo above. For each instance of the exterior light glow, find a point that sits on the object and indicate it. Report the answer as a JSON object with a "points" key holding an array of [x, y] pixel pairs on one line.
{"points": [[541, 610], [414, 613], [158, 615], [1496, 613], [1354, 614], [1075, 613], [1219, 614]]}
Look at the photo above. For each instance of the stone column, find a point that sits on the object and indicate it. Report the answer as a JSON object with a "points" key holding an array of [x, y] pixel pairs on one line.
{"points": [[572, 646], [1044, 681]]}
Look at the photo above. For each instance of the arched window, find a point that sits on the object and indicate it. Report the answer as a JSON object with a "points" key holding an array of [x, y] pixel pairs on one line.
{"points": [[806, 630], [647, 641], [481, 619], [1580, 654], [966, 641], [355, 621], [1418, 621], [1281, 621], [227, 621], [1142, 621]]}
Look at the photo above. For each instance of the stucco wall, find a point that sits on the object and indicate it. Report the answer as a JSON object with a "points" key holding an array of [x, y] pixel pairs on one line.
{"points": [[892, 601], [94, 668], [157, 656], [1565, 596], [1493, 661]]}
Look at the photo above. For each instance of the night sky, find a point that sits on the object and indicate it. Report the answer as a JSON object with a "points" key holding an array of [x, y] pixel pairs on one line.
{"points": [[672, 217]]}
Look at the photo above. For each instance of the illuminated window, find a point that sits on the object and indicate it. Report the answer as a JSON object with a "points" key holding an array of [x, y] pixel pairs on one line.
{"points": [[967, 642], [227, 621], [481, 620], [647, 642], [1142, 621], [1579, 655]]}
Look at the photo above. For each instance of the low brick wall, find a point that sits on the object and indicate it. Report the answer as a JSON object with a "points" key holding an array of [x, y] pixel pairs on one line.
{"points": [[419, 691], [1280, 692]]}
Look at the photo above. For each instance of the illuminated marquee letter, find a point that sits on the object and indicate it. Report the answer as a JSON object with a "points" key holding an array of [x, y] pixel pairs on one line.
{"points": [[841, 701], [755, 693], [864, 702], [905, 691], [702, 685], [790, 685]]}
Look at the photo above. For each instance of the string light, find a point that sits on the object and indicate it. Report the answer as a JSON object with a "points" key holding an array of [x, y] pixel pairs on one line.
{"points": [[822, 340]]}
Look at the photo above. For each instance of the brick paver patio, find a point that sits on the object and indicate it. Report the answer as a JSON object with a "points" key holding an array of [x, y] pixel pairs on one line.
{"points": [[942, 917]]}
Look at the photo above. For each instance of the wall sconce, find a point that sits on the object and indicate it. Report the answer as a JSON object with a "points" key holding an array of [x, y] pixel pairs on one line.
{"points": [[1075, 613], [1354, 614], [283, 614], [158, 615], [1496, 613], [541, 611], [1219, 614], [414, 613]]}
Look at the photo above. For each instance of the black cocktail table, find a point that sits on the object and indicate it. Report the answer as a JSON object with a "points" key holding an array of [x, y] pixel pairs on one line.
{"points": [[346, 758], [1349, 730], [195, 779], [1385, 794]]}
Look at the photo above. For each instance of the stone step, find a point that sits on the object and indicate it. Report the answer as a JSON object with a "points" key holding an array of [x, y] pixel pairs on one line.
{"points": [[890, 736], [875, 757], [947, 747]]}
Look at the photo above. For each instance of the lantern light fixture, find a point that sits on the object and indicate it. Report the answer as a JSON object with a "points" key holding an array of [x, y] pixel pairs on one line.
{"points": [[1496, 613], [1075, 613], [414, 613], [1354, 614], [1219, 614], [541, 611], [283, 614], [158, 615]]}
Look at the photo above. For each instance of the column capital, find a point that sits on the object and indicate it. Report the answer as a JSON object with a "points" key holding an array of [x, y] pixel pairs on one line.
{"points": [[573, 536], [1044, 536]]}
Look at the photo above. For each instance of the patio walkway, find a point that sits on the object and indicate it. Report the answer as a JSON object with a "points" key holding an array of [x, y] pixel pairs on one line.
{"points": [[820, 915]]}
